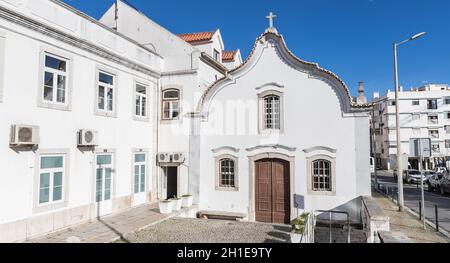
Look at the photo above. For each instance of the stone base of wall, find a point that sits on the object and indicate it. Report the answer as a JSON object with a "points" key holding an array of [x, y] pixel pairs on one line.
{"points": [[39, 225]]}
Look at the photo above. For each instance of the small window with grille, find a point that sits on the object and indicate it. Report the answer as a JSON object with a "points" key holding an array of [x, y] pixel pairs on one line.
{"points": [[271, 112], [227, 173], [321, 175]]}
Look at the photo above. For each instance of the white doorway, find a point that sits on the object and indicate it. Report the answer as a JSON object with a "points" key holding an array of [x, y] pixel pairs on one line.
{"points": [[139, 179], [103, 183]]}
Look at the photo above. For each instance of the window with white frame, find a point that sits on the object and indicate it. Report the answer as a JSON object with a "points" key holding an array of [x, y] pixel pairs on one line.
{"points": [[51, 179], [321, 175], [435, 147], [433, 119], [141, 100], [415, 102], [447, 129], [434, 134], [432, 104], [227, 173], [139, 172], [216, 55], [447, 144], [171, 104], [55, 79], [271, 112], [106, 92], [447, 100]]}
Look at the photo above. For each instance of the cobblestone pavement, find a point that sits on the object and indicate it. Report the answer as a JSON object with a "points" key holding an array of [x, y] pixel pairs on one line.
{"points": [[405, 226], [181, 230]]}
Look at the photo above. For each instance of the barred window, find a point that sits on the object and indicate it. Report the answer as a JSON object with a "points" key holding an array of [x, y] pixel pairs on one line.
{"points": [[227, 173], [321, 173], [271, 112]]}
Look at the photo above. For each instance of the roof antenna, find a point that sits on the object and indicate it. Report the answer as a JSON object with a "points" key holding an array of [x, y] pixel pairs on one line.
{"points": [[116, 14]]}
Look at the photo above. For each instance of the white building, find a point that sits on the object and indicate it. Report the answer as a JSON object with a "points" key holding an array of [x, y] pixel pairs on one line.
{"points": [[424, 113], [248, 135]]}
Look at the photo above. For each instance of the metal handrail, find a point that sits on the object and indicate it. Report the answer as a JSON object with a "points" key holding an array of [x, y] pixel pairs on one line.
{"points": [[330, 212], [308, 232]]}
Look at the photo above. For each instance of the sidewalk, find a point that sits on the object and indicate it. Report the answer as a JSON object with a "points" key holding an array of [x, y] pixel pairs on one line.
{"points": [[405, 226], [109, 229]]}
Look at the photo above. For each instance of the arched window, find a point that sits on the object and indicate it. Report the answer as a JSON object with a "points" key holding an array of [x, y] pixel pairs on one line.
{"points": [[321, 175], [227, 173], [171, 104], [271, 112]]}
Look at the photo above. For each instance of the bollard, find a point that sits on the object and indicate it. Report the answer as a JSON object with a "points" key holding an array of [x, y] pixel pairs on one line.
{"points": [[437, 217], [420, 210]]}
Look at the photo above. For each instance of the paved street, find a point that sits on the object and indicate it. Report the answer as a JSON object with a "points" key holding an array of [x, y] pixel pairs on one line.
{"points": [[412, 196]]}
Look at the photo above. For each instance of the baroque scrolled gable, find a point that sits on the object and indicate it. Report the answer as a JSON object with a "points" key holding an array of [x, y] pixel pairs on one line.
{"points": [[348, 105]]}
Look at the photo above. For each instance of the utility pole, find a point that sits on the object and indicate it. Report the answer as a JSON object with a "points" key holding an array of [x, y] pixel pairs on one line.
{"points": [[401, 202]]}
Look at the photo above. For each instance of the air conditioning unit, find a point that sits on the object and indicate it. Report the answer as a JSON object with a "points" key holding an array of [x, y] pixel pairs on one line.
{"points": [[24, 135], [164, 158], [177, 157], [87, 138]]}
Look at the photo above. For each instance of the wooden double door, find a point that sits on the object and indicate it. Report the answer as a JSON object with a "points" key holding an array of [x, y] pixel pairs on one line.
{"points": [[272, 190]]}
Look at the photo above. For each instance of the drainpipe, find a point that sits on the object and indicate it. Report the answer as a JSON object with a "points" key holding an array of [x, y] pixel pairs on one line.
{"points": [[158, 93]]}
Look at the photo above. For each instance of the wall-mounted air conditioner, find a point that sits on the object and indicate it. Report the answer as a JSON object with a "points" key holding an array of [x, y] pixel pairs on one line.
{"points": [[24, 135], [87, 138], [164, 158], [177, 157]]}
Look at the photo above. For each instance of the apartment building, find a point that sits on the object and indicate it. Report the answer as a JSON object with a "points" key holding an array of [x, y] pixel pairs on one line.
{"points": [[424, 113]]}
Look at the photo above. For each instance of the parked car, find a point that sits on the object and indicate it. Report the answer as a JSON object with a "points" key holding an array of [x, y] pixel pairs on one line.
{"points": [[429, 174], [444, 186], [442, 170], [411, 176], [434, 182], [414, 176]]}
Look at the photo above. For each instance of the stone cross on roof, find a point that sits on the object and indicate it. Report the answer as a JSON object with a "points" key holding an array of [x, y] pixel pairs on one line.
{"points": [[270, 17]]}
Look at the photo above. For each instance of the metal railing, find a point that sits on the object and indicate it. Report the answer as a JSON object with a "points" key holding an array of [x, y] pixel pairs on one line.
{"points": [[331, 212], [308, 232], [391, 192]]}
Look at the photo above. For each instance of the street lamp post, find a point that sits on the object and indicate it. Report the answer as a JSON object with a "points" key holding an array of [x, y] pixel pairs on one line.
{"points": [[401, 202]]}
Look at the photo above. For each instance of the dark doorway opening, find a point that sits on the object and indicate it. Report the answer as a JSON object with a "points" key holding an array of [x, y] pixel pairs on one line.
{"points": [[172, 182]]}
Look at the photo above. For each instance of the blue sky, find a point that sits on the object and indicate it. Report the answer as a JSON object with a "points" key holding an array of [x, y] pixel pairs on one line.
{"points": [[352, 38]]}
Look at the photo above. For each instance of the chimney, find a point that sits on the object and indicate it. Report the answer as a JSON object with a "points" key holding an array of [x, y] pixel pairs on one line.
{"points": [[116, 15], [361, 98]]}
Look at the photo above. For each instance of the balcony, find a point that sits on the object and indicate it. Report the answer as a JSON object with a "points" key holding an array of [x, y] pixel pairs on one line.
{"points": [[433, 121]]}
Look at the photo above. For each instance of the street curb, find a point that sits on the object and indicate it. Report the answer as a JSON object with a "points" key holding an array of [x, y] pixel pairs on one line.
{"points": [[415, 214]]}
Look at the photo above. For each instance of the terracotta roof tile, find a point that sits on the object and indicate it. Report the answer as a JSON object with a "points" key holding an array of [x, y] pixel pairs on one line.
{"points": [[228, 56], [196, 37]]}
